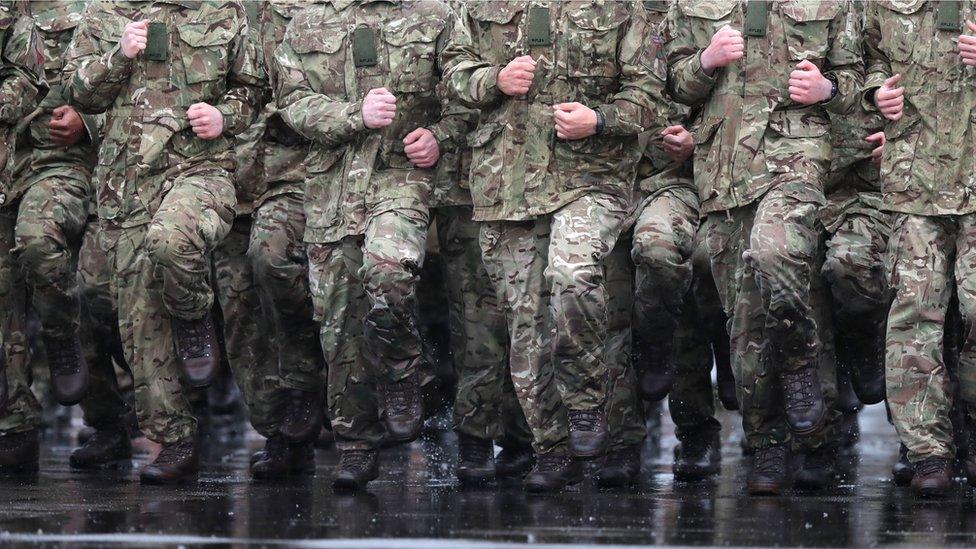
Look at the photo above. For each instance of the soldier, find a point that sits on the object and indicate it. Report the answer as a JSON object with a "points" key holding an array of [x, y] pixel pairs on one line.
{"points": [[285, 390], [358, 79], [176, 79], [919, 77], [552, 178], [761, 157], [21, 88]]}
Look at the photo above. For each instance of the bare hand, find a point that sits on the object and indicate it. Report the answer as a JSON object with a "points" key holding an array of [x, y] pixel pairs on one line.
{"points": [[967, 45], [134, 38], [807, 85], [879, 140], [207, 122], [679, 144], [726, 47], [379, 108], [516, 78], [890, 99], [422, 148], [574, 121], [66, 126]]}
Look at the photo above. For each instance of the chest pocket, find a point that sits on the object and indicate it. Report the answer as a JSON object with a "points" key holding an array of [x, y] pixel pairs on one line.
{"points": [[900, 33], [707, 17], [807, 28], [413, 56], [323, 57], [501, 36], [207, 56], [591, 40]]}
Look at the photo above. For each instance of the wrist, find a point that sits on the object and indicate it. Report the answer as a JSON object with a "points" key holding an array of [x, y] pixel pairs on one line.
{"points": [[705, 61]]}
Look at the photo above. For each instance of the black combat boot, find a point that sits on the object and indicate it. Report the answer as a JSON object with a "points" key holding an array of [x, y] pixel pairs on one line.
{"points": [[864, 356], [514, 461], [476, 460], [355, 469], [197, 349], [654, 363], [403, 409], [303, 416], [19, 453], [698, 456], [279, 459], [553, 472], [903, 471], [588, 433], [816, 471], [176, 462], [724, 377], [104, 449], [4, 391], [932, 478], [805, 410], [847, 401], [768, 474], [620, 467], [69, 371]]}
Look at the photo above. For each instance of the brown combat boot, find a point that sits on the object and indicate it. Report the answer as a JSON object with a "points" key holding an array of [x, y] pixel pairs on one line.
{"points": [[356, 468], [620, 467], [104, 449], [19, 453], [175, 463], [304, 415], [553, 472], [197, 349], [803, 399], [698, 456], [903, 471], [281, 459], [932, 478], [768, 474], [403, 409], [69, 371], [588, 433]]}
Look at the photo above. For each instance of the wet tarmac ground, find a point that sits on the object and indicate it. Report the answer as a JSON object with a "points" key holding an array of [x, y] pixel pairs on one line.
{"points": [[417, 503]]}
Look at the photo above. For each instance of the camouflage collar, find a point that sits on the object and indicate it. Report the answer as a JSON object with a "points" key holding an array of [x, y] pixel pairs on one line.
{"points": [[340, 5]]}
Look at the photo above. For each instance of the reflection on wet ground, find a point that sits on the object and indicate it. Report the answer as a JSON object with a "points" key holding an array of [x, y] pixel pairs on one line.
{"points": [[417, 497]]}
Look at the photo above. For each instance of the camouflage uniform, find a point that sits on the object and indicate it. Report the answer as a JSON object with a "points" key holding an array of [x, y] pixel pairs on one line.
{"points": [[366, 205], [554, 210], [21, 85], [760, 162], [927, 182], [165, 197]]}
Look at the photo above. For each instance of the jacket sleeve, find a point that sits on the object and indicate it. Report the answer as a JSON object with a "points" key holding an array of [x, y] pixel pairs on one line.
{"points": [[470, 78], [21, 70], [456, 119], [93, 78], [877, 64], [687, 80], [844, 60], [246, 83]]}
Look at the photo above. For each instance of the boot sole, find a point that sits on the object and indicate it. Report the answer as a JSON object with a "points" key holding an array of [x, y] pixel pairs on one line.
{"points": [[476, 480], [346, 485], [694, 475], [533, 488], [765, 490], [151, 481], [118, 464]]}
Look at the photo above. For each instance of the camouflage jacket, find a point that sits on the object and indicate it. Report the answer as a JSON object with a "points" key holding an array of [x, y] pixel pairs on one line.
{"points": [[929, 164], [353, 172], [21, 87], [750, 127], [147, 138], [55, 21], [590, 51], [270, 155], [656, 171]]}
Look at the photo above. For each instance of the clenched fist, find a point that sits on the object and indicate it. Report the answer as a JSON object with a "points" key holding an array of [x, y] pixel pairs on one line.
{"points": [[134, 38], [422, 148], [967, 46], [807, 85], [516, 77], [207, 122], [66, 126], [877, 139], [727, 46], [890, 99], [379, 108], [574, 121], [678, 143]]}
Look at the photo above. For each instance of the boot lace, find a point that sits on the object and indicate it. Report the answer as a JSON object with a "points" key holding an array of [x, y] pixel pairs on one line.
{"points": [[400, 396], [355, 460], [770, 460], [63, 356], [585, 420], [475, 450], [799, 388], [174, 453], [194, 337], [929, 466], [552, 462]]}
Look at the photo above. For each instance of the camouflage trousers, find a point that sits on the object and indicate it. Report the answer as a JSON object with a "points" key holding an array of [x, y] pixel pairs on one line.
{"points": [[159, 270], [664, 240], [928, 257], [248, 347], [854, 270], [280, 265], [362, 286], [485, 405], [697, 341], [765, 258], [23, 411], [550, 275]]}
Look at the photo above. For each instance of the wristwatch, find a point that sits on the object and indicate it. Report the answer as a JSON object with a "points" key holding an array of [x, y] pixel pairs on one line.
{"points": [[600, 122], [833, 87]]}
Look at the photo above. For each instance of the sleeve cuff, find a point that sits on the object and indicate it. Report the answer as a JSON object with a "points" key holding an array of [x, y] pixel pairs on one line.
{"points": [[230, 119]]}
